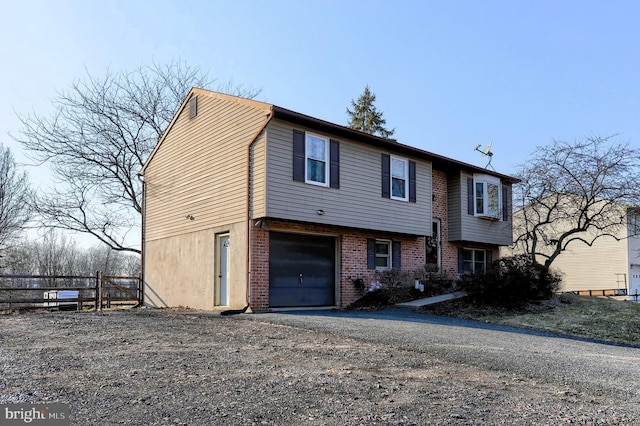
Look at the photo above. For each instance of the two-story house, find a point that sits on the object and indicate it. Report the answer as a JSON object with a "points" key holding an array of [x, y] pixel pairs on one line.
{"points": [[248, 202], [606, 265]]}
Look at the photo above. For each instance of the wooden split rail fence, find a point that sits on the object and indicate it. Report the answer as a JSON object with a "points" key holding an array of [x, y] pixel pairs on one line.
{"points": [[63, 292]]}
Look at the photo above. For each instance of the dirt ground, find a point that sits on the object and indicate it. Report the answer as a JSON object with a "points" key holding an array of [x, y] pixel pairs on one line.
{"points": [[162, 367]]}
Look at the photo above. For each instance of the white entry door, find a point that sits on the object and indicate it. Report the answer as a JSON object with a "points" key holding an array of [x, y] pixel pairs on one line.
{"points": [[222, 290]]}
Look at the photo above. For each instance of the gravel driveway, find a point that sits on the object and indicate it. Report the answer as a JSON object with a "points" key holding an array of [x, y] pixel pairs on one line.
{"points": [[148, 367]]}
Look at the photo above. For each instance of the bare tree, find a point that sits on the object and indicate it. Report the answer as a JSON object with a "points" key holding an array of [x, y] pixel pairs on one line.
{"points": [[14, 194], [575, 193], [96, 141]]}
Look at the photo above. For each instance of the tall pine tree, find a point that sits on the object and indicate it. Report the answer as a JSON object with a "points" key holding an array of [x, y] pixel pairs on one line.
{"points": [[366, 117]]}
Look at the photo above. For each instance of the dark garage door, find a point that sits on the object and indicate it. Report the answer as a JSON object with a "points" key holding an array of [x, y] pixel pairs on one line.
{"points": [[301, 270]]}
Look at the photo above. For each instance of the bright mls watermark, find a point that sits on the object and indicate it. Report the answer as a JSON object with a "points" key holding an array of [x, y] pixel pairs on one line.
{"points": [[35, 414]]}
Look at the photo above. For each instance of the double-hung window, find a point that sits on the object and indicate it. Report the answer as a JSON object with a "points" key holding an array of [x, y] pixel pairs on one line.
{"points": [[316, 159], [399, 178], [383, 254], [473, 261], [487, 199]]}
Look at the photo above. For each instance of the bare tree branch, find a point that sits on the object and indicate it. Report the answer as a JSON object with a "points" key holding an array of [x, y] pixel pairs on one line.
{"points": [[575, 193], [97, 140], [14, 195]]}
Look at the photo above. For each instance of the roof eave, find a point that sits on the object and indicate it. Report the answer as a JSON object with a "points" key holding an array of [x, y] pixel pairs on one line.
{"points": [[439, 161]]}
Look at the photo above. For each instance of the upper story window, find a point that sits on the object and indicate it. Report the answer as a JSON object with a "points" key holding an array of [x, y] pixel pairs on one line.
{"points": [[487, 196], [316, 159], [399, 178]]}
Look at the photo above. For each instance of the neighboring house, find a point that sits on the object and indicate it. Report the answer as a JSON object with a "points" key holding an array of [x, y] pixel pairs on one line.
{"points": [[246, 201], [610, 266]]}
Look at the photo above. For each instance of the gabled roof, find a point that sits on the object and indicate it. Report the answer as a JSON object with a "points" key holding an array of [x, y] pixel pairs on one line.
{"points": [[194, 92], [439, 161]]}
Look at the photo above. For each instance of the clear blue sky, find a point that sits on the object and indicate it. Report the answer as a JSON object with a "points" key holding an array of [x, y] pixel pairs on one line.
{"points": [[448, 75]]}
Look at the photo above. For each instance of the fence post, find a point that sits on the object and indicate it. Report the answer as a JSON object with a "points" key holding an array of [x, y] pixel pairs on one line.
{"points": [[96, 289], [99, 290], [140, 289]]}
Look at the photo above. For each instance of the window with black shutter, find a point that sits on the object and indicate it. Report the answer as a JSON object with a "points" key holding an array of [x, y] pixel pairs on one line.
{"points": [[316, 159]]}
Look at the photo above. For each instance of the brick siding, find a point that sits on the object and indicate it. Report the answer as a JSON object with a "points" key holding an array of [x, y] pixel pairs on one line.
{"points": [[352, 246], [448, 251]]}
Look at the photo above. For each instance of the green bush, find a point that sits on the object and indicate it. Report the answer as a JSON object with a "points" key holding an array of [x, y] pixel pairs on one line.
{"points": [[511, 282]]}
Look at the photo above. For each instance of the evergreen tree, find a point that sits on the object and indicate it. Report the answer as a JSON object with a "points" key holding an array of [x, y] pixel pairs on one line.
{"points": [[366, 117]]}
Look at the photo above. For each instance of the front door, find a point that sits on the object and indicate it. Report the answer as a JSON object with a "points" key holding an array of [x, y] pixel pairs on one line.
{"points": [[222, 289], [302, 270]]}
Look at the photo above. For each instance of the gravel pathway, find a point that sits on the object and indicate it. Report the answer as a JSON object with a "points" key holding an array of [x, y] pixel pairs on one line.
{"points": [[157, 367]]}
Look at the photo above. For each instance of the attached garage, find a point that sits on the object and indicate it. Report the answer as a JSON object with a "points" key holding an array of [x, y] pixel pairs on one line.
{"points": [[302, 270]]}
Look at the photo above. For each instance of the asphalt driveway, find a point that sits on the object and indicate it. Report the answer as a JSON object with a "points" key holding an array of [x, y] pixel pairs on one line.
{"points": [[545, 357]]}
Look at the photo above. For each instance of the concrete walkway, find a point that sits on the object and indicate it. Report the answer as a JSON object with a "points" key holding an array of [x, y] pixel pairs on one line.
{"points": [[432, 300]]}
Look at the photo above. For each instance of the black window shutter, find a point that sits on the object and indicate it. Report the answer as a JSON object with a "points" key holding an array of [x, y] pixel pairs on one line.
{"points": [[460, 260], [386, 176], [298, 155], [334, 166], [371, 253], [396, 251], [412, 181], [488, 258], [470, 209], [505, 204], [193, 107]]}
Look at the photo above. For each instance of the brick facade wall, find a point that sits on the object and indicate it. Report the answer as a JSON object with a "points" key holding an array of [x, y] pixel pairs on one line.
{"points": [[448, 251], [259, 268], [352, 246]]}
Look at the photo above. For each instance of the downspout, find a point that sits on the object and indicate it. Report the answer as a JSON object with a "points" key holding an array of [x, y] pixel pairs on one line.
{"points": [[142, 238], [268, 118]]}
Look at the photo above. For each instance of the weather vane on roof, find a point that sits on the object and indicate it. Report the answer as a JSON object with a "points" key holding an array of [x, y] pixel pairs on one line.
{"points": [[487, 153]]}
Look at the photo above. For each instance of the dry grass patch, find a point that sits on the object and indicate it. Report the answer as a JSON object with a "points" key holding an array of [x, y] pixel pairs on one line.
{"points": [[582, 316]]}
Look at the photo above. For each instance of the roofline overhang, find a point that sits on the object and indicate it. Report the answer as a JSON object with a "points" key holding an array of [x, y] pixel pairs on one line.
{"points": [[439, 162]]}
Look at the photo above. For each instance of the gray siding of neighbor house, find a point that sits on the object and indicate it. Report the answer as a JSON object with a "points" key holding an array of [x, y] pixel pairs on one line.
{"points": [[469, 228], [358, 203]]}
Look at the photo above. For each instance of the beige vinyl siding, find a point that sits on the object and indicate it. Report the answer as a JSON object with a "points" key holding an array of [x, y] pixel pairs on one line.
{"points": [[358, 203], [601, 266], [467, 227], [201, 168], [595, 267]]}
